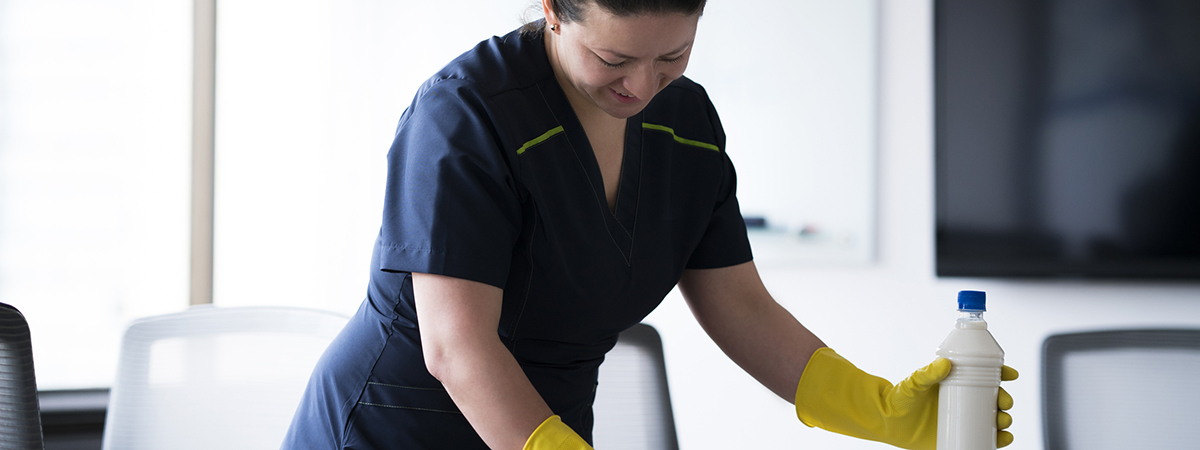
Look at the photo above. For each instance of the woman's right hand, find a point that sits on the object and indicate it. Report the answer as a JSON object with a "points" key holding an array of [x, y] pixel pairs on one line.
{"points": [[553, 434]]}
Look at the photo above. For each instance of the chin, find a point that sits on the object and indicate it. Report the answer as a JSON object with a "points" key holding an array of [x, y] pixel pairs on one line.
{"points": [[616, 109], [619, 111], [623, 113]]}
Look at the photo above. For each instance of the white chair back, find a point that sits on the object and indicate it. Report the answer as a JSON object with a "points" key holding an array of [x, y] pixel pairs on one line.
{"points": [[214, 378]]}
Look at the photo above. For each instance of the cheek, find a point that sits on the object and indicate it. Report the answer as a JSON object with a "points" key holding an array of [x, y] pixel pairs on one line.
{"points": [[676, 70], [597, 77], [670, 74], [580, 73]]}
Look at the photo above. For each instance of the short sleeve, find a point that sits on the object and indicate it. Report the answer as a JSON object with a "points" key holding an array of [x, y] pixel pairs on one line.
{"points": [[724, 242], [451, 206]]}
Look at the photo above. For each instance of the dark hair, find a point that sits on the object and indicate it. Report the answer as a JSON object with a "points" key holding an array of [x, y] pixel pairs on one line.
{"points": [[569, 11]]}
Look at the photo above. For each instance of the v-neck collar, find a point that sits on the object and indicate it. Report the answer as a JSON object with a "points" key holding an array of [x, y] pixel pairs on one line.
{"points": [[621, 221]]}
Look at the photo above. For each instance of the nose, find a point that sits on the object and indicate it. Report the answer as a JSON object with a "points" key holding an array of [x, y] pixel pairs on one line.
{"points": [[644, 82]]}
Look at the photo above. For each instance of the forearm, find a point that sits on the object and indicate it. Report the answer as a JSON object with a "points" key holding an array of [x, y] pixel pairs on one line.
{"points": [[769, 344], [462, 350], [752, 329], [494, 394]]}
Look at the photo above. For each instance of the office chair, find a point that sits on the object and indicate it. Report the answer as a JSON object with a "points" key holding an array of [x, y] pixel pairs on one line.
{"points": [[20, 419], [633, 406], [214, 378], [1121, 389]]}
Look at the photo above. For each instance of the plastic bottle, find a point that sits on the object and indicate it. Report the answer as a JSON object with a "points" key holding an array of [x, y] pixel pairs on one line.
{"points": [[967, 397]]}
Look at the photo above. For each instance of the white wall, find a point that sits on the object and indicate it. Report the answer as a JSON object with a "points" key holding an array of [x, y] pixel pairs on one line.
{"points": [[888, 317]]}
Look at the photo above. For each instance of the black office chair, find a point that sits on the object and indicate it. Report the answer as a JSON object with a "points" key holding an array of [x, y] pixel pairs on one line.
{"points": [[633, 405], [20, 418], [1121, 389]]}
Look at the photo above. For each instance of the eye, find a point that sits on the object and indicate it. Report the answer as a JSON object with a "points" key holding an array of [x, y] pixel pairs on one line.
{"points": [[673, 60], [608, 64]]}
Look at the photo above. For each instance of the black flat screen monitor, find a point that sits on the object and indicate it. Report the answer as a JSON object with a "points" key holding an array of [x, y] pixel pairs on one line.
{"points": [[1068, 138]]}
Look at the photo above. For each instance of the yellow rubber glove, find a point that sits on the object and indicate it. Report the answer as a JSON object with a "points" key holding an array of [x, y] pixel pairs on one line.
{"points": [[553, 434], [1004, 402], [835, 395]]}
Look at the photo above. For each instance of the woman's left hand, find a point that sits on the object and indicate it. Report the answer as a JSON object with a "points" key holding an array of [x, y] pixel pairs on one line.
{"points": [[1004, 402], [835, 395]]}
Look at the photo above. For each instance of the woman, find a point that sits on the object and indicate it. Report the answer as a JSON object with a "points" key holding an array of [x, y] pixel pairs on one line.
{"points": [[546, 190]]}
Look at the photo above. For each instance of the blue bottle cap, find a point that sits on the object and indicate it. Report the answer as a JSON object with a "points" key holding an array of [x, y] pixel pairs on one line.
{"points": [[972, 301]]}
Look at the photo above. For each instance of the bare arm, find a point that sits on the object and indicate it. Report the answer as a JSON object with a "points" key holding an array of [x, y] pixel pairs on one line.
{"points": [[758, 334], [458, 321]]}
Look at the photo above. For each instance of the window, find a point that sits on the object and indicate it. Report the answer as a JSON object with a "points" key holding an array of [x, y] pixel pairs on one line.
{"points": [[95, 146]]}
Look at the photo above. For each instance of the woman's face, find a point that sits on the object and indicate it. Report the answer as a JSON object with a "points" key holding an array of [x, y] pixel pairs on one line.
{"points": [[617, 64]]}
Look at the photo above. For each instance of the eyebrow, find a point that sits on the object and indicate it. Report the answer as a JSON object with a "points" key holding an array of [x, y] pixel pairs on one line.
{"points": [[624, 56]]}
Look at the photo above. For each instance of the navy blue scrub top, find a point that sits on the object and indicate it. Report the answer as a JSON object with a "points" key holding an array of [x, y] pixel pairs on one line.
{"points": [[491, 178]]}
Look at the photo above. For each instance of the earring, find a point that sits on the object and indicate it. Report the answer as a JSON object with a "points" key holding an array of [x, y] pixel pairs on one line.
{"points": [[554, 28]]}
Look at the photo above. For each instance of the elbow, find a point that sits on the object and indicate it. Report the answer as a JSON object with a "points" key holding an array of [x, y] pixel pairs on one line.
{"points": [[456, 357], [437, 361]]}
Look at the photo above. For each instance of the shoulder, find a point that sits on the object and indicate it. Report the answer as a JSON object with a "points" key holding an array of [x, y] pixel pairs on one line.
{"points": [[477, 84], [684, 87], [497, 65], [682, 100], [685, 107]]}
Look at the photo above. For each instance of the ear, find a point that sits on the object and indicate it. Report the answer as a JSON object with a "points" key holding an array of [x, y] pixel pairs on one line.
{"points": [[548, 11]]}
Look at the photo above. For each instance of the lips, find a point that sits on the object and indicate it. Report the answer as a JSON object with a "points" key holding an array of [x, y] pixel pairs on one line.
{"points": [[622, 97]]}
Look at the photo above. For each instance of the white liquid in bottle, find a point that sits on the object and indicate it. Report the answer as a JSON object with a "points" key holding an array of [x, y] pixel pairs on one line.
{"points": [[967, 397]]}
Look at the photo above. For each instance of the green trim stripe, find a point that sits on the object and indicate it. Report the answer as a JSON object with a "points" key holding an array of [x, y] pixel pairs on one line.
{"points": [[650, 126], [540, 139]]}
